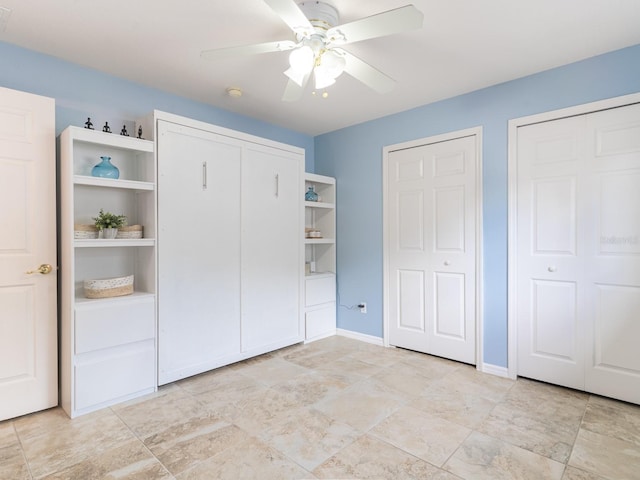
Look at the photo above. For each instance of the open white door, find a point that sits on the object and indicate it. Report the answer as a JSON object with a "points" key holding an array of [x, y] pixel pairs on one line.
{"points": [[28, 314]]}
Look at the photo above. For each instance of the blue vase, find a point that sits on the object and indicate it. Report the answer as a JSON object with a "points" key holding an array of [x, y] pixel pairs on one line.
{"points": [[311, 195], [105, 169]]}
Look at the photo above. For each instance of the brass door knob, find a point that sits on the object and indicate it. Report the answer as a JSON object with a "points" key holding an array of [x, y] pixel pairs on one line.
{"points": [[43, 269]]}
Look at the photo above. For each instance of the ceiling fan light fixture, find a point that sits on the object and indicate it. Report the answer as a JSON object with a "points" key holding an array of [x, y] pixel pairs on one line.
{"points": [[302, 59], [333, 62], [323, 79]]}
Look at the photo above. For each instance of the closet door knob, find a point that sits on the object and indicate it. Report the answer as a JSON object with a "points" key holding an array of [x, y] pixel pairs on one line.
{"points": [[447, 263], [552, 268]]}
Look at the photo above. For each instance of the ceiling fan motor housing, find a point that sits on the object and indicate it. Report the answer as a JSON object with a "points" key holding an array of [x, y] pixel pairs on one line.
{"points": [[321, 15]]}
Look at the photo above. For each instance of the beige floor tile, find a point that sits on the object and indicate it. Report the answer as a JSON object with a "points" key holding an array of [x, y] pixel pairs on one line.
{"points": [[350, 369], [545, 435], [160, 412], [73, 441], [52, 420], [362, 405], [309, 437], [225, 393], [182, 446], [313, 357], [342, 408], [430, 438], [547, 401], [609, 457], [208, 381], [8, 434], [248, 460], [259, 410], [129, 460], [483, 457], [430, 366], [572, 473], [12, 462], [370, 458], [271, 371], [614, 419], [407, 380], [466, 380], [464, 409], [311, 387], [380, 356]]}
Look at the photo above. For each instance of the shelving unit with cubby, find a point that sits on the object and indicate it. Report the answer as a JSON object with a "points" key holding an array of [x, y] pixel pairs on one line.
{"points": [[320, 258], [107, 345]]}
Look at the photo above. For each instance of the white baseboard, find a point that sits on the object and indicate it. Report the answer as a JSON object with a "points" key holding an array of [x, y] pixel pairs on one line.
{"points": [[494, 370], [363, 337]]}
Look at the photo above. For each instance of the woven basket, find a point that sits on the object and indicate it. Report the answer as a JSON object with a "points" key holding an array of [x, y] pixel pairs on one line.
{"points": [[84, 231], [130, 231], [108, 287]]}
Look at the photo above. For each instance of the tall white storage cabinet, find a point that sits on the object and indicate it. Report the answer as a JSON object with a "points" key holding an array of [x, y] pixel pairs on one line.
{"points": [[230, 246], [320, 258], [107, 345]]}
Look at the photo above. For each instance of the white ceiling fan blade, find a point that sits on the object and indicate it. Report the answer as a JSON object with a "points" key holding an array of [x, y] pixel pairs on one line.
{"points": [[293, 92], [370, 76], [291, 15], [256, 49], [386, 23]]}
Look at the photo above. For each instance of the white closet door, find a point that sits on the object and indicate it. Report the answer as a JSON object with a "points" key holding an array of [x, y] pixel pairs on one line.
{"points": [[198, 249], [432, 252], [550, 273], [612, 253], [578, 241], [272, 239]]}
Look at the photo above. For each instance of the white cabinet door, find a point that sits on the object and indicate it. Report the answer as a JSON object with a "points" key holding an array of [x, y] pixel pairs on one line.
{"points": [[28, 319], [272, 240], [198, 248], [431, 195], [578, 242]]}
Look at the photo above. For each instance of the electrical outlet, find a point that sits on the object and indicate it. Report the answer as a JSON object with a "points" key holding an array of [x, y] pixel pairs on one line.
{"points": [[363, 307]]}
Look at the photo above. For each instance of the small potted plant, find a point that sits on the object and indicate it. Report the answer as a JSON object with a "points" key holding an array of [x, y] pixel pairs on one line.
{"points": [[108, 224]]}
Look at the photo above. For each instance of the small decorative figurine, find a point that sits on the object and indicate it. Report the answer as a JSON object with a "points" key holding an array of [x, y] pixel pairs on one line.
{"points": [[88, 124], [106, 128], [140, 132], [124, 132]]}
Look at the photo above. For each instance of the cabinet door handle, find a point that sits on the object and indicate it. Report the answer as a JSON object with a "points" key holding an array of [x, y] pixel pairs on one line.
{"points": [[277, 185], [204, 175]]}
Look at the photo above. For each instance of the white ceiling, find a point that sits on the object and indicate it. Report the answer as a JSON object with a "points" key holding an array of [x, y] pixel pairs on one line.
{"points": [[464, 45]]}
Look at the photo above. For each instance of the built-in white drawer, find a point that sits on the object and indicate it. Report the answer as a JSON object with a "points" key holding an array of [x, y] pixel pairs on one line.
{"points": [[120, 373], [320, 289], [112, 323], [320, 322]]}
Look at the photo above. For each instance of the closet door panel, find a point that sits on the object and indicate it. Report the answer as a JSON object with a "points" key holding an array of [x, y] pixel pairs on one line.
{"points": [[271, 248], [199, 250]]}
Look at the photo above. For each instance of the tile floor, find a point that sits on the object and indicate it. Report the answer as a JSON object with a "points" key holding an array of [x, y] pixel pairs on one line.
{"points": [[336, 408]]}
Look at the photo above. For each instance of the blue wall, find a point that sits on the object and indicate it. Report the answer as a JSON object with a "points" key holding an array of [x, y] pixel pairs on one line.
{"points": [[82, 92], [354, 156]]}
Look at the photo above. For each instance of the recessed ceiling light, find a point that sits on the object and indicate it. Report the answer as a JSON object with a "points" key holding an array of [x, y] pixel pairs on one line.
{"points": [[234, 92]]}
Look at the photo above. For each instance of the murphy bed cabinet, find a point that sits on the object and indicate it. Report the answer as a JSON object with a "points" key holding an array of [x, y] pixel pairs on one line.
{"points": [[320, 258], [107, 345], [230, 245]]}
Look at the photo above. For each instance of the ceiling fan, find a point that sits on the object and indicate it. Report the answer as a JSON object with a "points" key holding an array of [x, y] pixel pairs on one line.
{"points": [[318, 41]]}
